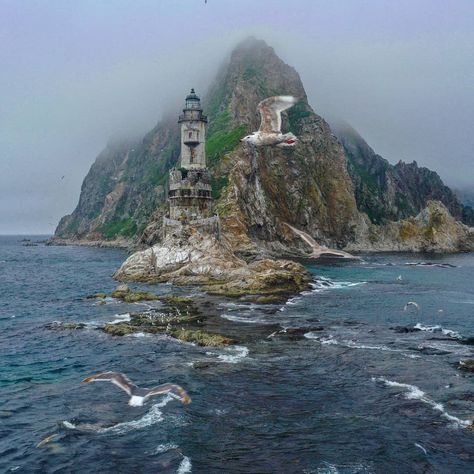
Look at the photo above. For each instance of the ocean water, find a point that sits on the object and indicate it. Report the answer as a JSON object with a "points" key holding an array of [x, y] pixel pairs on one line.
{"points": [[347, 395]]}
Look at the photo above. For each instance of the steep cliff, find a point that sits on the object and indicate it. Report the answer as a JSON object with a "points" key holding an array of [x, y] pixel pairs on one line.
{"points": [[388, 192], [325, 186], [123, 188]]}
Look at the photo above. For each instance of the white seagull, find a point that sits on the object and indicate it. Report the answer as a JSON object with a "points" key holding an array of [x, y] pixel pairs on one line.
{"points": [[269, 132], [412, 303], [138, 396]]}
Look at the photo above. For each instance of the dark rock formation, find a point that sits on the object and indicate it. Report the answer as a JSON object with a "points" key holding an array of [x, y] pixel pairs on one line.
{"points": [[388, 192], [320, 186]]}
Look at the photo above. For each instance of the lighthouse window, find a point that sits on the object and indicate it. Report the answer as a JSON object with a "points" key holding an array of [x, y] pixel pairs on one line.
{"points": [[190, 134]]}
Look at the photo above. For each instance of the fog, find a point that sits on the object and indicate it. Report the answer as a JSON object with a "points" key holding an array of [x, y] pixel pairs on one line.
{"points": [[74, 74]]}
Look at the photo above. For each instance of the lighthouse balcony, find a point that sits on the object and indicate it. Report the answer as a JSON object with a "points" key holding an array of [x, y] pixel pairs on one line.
{"points": [[191, 141], [174, 194]]}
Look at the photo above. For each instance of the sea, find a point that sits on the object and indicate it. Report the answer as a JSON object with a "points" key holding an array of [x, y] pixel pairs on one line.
{"points": [[345, 377]]}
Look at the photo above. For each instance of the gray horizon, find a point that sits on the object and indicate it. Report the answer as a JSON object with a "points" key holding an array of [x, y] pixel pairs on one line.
{"points": [[76, 74]]}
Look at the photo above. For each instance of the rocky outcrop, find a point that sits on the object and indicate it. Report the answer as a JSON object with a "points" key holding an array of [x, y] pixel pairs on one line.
{"points": [[388, 192], [324, 187], [201, 259], [434, 229]]}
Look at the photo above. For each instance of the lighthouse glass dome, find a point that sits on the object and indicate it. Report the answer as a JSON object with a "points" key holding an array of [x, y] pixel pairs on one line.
{"points": [[193, 101]]}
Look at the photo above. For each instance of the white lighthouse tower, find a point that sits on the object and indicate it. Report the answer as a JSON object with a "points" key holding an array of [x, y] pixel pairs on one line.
{"points": [[193, 133], [190, 190]]}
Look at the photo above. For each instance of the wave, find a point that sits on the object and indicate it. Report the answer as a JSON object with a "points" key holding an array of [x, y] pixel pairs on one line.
{"points": [[242, 319], [329, 468], [320, 285], [162, 448], [185, 466], [323, 283], [121, 318], [330, 340], [438, 328], [152, 417], [233, 354], [430, 264], [415, 393]]}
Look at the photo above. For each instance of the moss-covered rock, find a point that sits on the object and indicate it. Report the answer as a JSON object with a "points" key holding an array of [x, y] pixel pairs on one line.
{"points": [[199, 337], [97, 296]]}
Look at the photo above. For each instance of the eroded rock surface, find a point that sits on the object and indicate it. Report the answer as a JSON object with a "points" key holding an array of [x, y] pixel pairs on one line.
{"points": [[195, 258]]}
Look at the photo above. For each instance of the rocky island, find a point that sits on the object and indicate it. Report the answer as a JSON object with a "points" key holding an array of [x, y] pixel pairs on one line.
{"points": [[193, 250], [332, 189]]}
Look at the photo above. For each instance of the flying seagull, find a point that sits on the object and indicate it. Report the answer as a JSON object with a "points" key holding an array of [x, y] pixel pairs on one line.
{"points": [[269, 132], [138, 396], [412, 303]]}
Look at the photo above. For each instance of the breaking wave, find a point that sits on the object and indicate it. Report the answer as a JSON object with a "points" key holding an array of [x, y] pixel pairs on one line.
{"points": [[329, 468], [438, 328], [242, 319], [415, 393], [330, 340], [153, 416], [323, 283], [185, 466], [232, 354]]}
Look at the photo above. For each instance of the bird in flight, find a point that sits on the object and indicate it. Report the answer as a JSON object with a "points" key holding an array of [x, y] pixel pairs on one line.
{"points": [[138, 396], [412, 303], [269, 133]]}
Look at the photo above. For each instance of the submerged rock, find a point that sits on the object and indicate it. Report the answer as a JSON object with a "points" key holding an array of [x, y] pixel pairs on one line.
{"points": [[405, 329], [97, 296], [59, 325], [467, 365]]}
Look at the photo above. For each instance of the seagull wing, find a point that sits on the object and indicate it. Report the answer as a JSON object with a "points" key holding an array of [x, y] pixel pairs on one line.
{"points": [[116, 378], [174, 390], [270, 112]]}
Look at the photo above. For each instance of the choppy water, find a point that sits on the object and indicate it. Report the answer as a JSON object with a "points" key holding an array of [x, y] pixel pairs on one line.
{"points": [[351, 396]]}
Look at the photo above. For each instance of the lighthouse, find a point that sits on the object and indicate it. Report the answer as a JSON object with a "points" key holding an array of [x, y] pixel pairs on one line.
{"points": [[193, 134], [189, 190]]}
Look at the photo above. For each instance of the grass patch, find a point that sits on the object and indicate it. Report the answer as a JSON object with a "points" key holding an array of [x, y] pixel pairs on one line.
{"points": [[124, 227]]}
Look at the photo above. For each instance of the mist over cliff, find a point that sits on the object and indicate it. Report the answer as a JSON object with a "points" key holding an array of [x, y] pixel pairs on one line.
{"points": [[324, 186]]}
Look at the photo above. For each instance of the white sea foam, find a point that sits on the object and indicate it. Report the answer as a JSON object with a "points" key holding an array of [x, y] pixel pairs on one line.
{"points": [[153, 416], [415, 393], [330, 340], [328, 468], [139, 335], [438, 328], [321, 284], [162, 448], [121, 318], [185, 466], [241, 319], [232, 354], [324, 283]]}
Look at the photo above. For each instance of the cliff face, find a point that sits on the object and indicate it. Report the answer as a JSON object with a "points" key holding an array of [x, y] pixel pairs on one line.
{"points": [[123, 188], [322, 186], [388, 192], [434, 229]]}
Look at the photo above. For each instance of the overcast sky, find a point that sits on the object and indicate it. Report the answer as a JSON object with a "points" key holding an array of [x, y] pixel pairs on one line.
{"points": [[75, 73]]}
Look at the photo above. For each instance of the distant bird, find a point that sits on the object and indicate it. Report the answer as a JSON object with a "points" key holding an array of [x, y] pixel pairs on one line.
{"points": [[138, 396], [62, 177], [46, 440], [412, 303], [269, 133]]}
